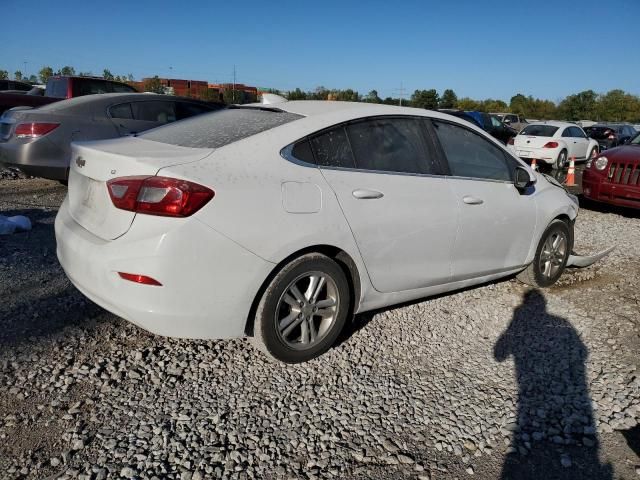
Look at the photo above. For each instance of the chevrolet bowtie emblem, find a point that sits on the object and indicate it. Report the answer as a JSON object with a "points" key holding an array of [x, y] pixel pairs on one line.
{"points": [[80, 162]]}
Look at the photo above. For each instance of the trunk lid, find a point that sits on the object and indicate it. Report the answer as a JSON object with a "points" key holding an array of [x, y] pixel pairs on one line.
{"points": [[94, 163]]}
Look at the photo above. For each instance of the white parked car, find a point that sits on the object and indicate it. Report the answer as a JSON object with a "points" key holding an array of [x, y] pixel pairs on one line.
{"points": [[553, 143], [280, 222]]}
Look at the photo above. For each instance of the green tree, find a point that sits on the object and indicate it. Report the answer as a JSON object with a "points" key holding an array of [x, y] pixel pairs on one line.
{"points": [[372, 97], [67, 70], [296, 94], [4, 74], [106, 74], [428, 99], [320, 93], [491, 105], [449, 99], [45, 73], [467, 103], [17, 75], [391, 101], [581, 106], [347, 95], [33, 79], [153, 85]]}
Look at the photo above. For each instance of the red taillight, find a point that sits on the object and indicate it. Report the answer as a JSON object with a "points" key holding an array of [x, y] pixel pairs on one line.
{"points": [[169, 197], [35, 129], [510, 141], [611, 137], [550, 145], [137, 278]]}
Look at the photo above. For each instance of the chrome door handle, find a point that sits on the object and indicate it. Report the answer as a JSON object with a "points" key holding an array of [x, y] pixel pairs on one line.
{"points": [[362, 194], [472, 200]]}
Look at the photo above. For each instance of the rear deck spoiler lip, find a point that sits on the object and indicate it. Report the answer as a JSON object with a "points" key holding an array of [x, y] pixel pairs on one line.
{"points": [[581, 261]]}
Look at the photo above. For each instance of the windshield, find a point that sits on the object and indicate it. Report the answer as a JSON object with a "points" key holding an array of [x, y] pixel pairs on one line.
{"points": [[635, 140], [539, 130], [601, 132]]}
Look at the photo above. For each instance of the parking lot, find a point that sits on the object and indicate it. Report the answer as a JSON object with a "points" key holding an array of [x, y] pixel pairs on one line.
{"points": [[487, 381]]}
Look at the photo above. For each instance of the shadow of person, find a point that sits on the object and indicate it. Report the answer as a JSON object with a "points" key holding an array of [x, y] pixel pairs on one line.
{"points": [[554, 435]]}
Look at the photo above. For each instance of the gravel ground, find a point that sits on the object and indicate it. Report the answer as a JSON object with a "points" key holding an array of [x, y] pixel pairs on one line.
{"points": [[492, 382]]}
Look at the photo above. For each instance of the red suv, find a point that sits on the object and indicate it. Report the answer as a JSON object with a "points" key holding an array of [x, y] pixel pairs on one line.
{"points": [[614, 176], [69, 87]]}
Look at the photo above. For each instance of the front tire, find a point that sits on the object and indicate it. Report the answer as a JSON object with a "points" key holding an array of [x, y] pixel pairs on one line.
{"points": [[551, 256], [593, 154], [561, 161], [303, 309]]}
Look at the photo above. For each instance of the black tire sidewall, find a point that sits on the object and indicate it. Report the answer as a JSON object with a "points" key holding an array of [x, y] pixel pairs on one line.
{"points": [[561, 164], [267, 311], [555, 226]]}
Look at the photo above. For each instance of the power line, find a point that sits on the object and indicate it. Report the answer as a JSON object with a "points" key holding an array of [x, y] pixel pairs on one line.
{"points": [[400, 91]]}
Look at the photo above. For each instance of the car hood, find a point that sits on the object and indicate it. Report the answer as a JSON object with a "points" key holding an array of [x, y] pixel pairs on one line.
{"points": [[624, 153]]}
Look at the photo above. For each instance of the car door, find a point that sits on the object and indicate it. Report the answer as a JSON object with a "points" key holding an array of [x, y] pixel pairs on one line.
{"points": [[580, 142], [400, 208], [135, 117], [496, 221]]}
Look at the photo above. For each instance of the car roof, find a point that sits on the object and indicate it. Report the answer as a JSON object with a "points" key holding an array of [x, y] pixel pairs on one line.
{"points": [[555, 123], [351, 110], [98, 100]]}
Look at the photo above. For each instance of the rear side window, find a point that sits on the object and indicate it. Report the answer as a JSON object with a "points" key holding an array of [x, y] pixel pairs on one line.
{"points": [[121, 111], [332, 149], [389, 145], [219, 128], [302, 151], [470, 155], [567, 133], [57, 87], [154, 111], [539, 130]]}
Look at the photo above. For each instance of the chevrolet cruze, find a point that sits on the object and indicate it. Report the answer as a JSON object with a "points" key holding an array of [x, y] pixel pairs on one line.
{"points": [[278, 222]]}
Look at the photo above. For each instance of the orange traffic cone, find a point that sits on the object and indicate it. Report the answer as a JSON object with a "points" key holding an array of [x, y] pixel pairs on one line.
{"points": [[534, 164], [571, 174]]}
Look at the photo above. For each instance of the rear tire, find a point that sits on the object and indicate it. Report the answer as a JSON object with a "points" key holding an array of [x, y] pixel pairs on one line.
{"points": [[561, 161], [551, 256], [303, 309]]}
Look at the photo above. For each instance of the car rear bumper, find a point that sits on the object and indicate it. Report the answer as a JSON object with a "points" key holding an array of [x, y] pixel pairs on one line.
{"points": [[208, 281], [39, 157], [599, 190]]}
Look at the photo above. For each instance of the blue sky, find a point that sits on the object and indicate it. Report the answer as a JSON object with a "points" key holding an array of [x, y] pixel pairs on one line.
{"points": [[481, 49]]}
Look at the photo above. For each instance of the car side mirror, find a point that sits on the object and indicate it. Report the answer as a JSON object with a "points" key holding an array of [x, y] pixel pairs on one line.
{"points": [[507, 121], [523, 178]]}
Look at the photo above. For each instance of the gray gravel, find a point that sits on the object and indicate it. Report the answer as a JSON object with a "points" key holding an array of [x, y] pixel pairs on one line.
{"points": [[468, 384]]}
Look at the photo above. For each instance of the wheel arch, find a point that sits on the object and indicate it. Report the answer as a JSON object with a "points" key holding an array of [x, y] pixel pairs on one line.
{"points": [[342, 258]]}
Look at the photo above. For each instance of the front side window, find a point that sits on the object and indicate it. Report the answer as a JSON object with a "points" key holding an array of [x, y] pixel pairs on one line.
{"points": [[122, 88], [389, 145], [470, 155], [576, 132], [332, 149]]}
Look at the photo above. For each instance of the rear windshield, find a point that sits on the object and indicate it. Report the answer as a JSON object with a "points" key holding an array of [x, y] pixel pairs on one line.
{"points": [[217, 129], [56, 87], [539, 130], [601, 132]]}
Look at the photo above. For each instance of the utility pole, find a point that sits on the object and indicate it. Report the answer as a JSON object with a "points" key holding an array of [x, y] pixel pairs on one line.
{"points": [[400, 91], [233, 92], [25, 69]]}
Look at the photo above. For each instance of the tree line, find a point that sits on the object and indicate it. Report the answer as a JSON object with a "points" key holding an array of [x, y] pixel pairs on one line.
{"points": [[614, 106]]}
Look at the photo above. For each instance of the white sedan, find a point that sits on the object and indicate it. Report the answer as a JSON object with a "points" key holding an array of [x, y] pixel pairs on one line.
{"points": [[279, 222], [553, 143]]}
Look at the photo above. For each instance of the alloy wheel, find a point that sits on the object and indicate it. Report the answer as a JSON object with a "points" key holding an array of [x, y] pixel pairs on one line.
{"points": [[307, 309], [553, 254]]}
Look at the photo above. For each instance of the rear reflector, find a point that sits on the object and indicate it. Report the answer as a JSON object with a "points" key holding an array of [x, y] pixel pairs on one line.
{"points": [[551, 145], [33, 130], [136, 278], [169, 197]]}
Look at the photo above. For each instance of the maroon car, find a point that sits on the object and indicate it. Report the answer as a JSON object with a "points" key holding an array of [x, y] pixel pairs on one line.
{"points": [[614, 176], [60, 87]]}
